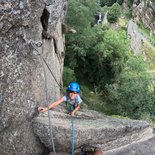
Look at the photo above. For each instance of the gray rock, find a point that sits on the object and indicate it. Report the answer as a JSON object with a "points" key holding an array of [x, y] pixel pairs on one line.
{"points": [[136, 37], [23, 72], [144, 11], [90, 128], [146, 147]]}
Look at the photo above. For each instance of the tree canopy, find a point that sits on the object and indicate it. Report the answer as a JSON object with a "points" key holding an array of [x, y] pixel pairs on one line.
{"points": [[100, 56]]}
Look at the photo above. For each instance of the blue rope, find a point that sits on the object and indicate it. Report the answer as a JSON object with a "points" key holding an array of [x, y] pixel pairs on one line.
{"points": [[49, 119], [50, 125], [72, 136]]}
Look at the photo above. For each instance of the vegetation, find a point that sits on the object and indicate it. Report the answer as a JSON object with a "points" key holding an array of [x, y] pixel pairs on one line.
{"points": [[146, 33], [132, 95], [113, 80], [110, 2], [148, 46], [130, 2], [68, 75], [149, 53], [80, 18], [114, 13]]}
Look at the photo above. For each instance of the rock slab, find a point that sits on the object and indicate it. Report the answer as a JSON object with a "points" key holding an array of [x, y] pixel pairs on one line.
{"points": [[89, 128]]}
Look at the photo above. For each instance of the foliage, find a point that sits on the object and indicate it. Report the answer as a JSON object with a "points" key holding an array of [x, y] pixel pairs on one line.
{"points": [[128, 13], [110, 2], [120, 117], [148, 45], [114, 13], [149, 53], [107, 2], [108, 57], [131, 95], [105, 58], [92, 100], [104, 9], [80, 16], [146, 32], [130, 2], [100, 58], [68, 76], [120, 2]]}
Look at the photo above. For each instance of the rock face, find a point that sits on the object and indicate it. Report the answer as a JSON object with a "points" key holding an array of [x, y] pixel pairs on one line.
{"points": [[90, 128], [136, 38], [146, 147], [144, 10], [28, 29]]}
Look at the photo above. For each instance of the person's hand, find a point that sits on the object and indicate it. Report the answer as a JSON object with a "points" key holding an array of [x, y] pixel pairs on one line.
{"points": [[72, 114], [42, 109]]}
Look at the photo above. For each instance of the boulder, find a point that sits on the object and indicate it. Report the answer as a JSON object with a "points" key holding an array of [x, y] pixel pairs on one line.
{"points": [[90, 128]]}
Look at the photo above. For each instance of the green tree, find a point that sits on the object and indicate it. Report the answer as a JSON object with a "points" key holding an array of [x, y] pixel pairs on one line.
{"points": [[131, 95], [107, 2], [114, 13], [105, 59], [120, 2], [110, 2], [68, 76], [80, 16], [100, 57]]}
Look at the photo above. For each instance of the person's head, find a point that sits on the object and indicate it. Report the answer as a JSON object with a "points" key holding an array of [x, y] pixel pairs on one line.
{"points": [[98, 151], [73, 90]]}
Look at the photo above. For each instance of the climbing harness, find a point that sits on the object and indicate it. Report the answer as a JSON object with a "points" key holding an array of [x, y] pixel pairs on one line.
{"points": [[72, 106]]}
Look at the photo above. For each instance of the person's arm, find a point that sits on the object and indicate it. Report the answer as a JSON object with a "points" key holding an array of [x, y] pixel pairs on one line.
{"points": [[52, 105], [76, 109]]}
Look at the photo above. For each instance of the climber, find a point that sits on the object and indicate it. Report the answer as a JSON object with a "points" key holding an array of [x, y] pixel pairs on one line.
{"points": [[72, 99], [98, 151]]}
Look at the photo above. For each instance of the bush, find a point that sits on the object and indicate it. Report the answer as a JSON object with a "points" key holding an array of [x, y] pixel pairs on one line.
{"points": [[120, 2], [128, 14], [130, 2], [107, 2], [110, 2], [131, 95], [68, 76], [114, 13]]}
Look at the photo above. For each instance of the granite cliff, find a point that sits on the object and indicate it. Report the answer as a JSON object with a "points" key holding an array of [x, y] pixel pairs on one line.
{"points": [[144, 11], [28, 30]]}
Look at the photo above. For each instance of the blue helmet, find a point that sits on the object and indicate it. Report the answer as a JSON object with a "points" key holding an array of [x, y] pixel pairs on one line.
{"points": [[73, 86]]}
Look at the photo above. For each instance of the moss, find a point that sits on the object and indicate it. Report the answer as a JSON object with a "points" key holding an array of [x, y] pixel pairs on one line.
{"points": [[121, 117]]}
